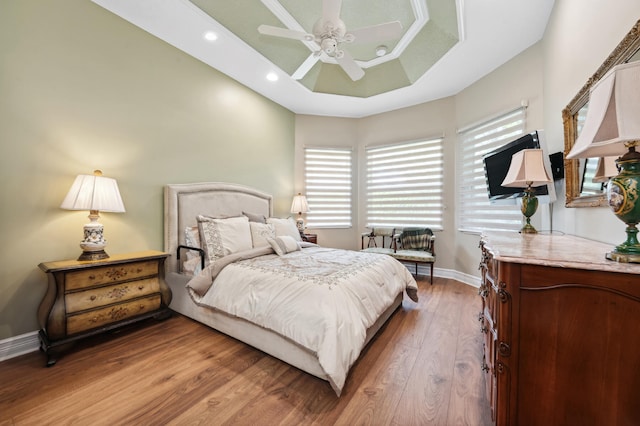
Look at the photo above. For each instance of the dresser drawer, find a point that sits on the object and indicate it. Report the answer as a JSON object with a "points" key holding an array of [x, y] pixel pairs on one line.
{"points": [[110, 274], [110, 314], [101, 296]]}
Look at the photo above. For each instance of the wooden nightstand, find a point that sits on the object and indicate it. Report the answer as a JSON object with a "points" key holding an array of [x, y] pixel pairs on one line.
{"points": [[312, 238], [84, 298]]}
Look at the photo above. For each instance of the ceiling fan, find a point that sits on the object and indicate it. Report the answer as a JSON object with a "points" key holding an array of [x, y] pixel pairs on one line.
{"points": [[328, 34]]}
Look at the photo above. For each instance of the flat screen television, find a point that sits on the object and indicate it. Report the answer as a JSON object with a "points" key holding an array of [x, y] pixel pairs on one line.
{"points": [[496, 166]]}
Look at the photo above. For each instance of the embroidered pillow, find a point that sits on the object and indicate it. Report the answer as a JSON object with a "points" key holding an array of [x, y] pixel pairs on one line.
{"points": [[260, 233], [220, 237], [285, 227], [283, 245]]}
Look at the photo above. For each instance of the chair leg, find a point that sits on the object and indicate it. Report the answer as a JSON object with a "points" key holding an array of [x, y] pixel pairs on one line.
{"points": [[431, 273]]}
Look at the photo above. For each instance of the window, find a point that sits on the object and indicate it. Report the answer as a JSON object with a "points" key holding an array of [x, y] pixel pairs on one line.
{"points": [[475, 213], [404, 184], [328, 181]]}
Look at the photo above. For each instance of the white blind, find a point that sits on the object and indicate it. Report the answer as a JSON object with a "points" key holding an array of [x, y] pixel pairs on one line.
{"points": [[475, 213], [404, 184], [328, 182]]}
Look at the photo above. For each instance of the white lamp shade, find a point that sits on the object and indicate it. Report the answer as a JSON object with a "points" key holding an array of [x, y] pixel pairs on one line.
{"points": [[527, 168], [605, 169], [613, 114], [94, 192], [299, 204]]}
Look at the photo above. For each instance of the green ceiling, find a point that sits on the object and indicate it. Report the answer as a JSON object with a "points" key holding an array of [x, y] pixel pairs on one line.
{"points": [[429, 38]]}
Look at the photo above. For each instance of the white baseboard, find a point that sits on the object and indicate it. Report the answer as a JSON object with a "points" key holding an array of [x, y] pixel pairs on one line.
{"points": [[29, 342], [19, 345]]}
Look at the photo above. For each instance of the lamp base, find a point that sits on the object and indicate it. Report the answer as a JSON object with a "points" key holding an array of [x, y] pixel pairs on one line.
{"points": [[623, 257], [624, 199], [528, 229], [528, 208], [93, 255]]}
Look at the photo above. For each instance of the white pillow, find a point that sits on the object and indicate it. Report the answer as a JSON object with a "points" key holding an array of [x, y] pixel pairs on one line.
{"points": [[283, 245], [285, 227], [260, 232], [220, 237]]}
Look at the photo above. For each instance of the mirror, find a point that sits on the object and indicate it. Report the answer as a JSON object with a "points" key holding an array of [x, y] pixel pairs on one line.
{"points": [[580, 189]]}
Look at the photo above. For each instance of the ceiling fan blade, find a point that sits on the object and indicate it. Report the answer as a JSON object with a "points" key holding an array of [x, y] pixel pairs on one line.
{"points": [[375, 33], [305, 67], [284, 32], [331, 10], [350, 66]]}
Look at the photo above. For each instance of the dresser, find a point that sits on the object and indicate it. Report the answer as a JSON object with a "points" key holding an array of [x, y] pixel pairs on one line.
{"points": [[84, 298], [561, 331]]}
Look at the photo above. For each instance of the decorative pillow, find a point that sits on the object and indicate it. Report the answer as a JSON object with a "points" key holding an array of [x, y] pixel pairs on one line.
{"points": [[221, 237], [191, 265], [259, 218], [260, 232], [283, 245], [192, 236], [285, 227]]}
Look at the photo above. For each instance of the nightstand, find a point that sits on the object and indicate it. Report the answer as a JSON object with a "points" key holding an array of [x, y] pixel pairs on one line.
{"points": [[312, 238], [85, 298]]}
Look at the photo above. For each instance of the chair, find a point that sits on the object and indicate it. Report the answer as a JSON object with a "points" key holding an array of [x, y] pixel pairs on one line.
{"points": [[386, 236], [416, 245]]}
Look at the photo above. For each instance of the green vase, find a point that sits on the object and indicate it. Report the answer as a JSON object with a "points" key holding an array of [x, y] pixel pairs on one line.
{"points": [[622, 193], [529, 207]]}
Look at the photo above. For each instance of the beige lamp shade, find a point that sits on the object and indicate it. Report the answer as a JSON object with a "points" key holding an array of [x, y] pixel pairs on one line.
{"points": [[94, 192], [526, 169], [299, 204], [605, 169], [613, 115]]}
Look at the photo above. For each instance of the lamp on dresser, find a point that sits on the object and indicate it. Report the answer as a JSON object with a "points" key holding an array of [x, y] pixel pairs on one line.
{"points": [[527, 171], [95, 193], [612, 128], [300, 206]]}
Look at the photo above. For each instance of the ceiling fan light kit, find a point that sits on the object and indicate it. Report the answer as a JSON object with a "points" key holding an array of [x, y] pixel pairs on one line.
{"points": [[329, 32]]}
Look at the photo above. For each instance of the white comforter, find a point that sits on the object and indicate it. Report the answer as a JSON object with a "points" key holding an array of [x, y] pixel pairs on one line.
{"points": [[323, 299]]}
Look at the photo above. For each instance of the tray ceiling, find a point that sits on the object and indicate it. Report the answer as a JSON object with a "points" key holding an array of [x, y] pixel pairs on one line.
{"points": [[445, 45]]}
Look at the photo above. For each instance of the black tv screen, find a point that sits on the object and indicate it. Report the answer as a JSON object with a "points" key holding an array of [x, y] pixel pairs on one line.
{"points": [[496, 166]]}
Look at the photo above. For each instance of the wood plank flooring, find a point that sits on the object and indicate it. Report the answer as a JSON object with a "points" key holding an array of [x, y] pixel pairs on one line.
{"points": [[423, 368]]}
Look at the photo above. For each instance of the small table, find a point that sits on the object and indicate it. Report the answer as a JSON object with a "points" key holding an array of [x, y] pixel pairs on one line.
{"points": [[312, 238], [84, 298]]}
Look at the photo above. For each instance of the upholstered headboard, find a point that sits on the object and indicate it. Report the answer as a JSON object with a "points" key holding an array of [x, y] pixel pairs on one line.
{"points": [[184, 202]]}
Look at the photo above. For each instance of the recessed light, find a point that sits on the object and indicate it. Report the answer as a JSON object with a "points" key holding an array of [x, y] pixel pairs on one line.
{"points": [[210, 36], [272, 76], [381, 50]]}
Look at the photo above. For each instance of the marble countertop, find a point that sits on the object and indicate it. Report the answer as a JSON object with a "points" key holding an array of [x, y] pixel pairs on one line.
{"points": [[557, 250]]}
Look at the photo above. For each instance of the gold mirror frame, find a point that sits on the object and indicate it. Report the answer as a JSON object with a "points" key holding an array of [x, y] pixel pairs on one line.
{"points": [[629, 45]]}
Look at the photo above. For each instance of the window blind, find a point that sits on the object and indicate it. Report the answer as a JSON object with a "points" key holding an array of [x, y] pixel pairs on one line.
{"points": [[404, 184], [475, 212], [328, 185]]}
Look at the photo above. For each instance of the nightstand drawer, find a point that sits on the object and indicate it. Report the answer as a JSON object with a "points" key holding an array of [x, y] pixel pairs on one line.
{"points": [[101, 296], [111, 314], [110, 274]]}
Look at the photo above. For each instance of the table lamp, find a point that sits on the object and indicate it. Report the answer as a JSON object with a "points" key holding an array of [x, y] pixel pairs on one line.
{"points": [[526, 171], [95, 193], [300, 206], [612, 128]]}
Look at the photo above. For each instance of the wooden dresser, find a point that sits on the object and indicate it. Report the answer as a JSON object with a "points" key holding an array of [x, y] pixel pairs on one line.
{"points": [[561, 329], [84, 298]]}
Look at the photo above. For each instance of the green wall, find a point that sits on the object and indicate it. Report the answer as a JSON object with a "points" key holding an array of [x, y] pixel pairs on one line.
{"points": [[82, 89]]}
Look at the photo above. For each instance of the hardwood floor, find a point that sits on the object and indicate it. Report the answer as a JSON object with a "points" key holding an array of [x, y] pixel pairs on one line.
{"points": [[423, 368]]}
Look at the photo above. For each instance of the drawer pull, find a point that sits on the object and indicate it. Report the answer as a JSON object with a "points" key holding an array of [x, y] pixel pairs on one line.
{"points": [[140, 287], [93, 297], [92, 277]]}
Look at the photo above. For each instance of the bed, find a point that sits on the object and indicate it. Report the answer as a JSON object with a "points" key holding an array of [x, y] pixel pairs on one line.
{"points": [[243, 281]]}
